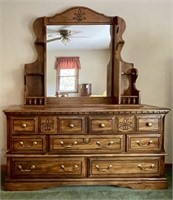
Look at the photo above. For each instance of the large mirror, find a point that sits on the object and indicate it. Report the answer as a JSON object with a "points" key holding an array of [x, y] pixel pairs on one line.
{"points": [[90, 44]]}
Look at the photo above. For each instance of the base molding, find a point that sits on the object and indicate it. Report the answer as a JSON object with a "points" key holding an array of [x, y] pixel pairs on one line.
{"points": [[137, 183]]}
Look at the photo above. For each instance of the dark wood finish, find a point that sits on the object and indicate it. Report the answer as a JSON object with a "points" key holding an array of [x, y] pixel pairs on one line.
{"points": [[119, 153], [121, 76], [84, 140]]}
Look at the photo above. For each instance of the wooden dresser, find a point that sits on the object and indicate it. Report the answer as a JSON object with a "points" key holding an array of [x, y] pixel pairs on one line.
{"points": [[60, 141], [114, 145]]}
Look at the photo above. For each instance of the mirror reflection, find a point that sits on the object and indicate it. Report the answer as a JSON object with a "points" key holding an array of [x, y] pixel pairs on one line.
{"points": [[77, 59]]}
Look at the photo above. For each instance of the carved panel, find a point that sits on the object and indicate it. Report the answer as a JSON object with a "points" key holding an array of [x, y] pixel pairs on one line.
{"points": [[125, 124], [48, 125]]}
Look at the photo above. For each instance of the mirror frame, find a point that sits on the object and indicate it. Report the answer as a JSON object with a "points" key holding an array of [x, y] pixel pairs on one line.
{"points": [[35, 73]]}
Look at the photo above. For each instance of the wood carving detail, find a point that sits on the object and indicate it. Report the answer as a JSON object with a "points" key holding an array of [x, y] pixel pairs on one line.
{"points": [[48, 125], [125, 124], [79, 16]]}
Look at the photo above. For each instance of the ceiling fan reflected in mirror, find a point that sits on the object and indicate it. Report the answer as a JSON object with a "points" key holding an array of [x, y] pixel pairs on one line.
{"points": [[64, 35]]}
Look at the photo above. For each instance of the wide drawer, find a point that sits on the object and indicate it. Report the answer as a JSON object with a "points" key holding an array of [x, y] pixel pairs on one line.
{"points": [[23, 125], [93, 144], [102, 124], [28, 144], [48, 167], [125, 167], [71, 125], [144, 142], [148, 123]]}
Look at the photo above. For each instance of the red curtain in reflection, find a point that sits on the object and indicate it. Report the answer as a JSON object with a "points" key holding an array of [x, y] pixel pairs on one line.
{"points": [[68, 63]]}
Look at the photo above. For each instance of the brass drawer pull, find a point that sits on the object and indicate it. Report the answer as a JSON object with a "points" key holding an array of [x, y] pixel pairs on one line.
{"points": [[24, 125], [69, 169], [103, 169], [149, 124], [26, 170], [28, 146], [71, 125], [146, 168], [144, 145], [104, 146], [102, 125], [68, 146]]}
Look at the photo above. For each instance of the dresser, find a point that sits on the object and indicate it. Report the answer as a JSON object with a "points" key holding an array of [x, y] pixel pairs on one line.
{"points": [[110, 145], [84, 140]]}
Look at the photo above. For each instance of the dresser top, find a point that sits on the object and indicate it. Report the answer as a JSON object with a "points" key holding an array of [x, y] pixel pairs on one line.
{"points": [[87, 109]]}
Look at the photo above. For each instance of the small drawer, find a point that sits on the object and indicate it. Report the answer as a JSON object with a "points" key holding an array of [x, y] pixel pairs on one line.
{"points": [[23, 125], [125, 167], [144, 143], [148, 123], [89, 144], [28, 144], [102, 124], [71, 125], [48, 167]]}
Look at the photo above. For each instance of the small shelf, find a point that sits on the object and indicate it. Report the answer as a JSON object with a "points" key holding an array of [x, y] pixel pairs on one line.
{"points": [[34, 74]]}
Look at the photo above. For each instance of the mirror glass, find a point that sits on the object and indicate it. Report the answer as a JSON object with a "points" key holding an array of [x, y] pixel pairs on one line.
{"points": [[90, 43]]}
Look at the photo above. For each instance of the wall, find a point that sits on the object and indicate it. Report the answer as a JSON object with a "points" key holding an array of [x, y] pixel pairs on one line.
{"points": [[148, 46]]}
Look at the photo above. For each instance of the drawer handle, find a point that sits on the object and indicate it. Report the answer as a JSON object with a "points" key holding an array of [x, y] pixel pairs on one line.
{"points": [[28, 146], [105, 146], [149, 124], [24, 125], [71, 125], [102, 125], [26, 170], [143, 145], [66, 169], [68, 146], [103, 169], [146, 168]]}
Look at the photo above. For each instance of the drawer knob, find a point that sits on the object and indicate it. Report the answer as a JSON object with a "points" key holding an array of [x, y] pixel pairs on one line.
{"points": [[102, 125], [149, 124], [103, 169], [71, 125], [143, 145], [28, 146], [26, 170], [24, 125], [146, 168], [67, 169]]}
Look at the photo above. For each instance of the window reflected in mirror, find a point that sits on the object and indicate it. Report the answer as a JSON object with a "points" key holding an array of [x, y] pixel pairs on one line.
{"points": [[90, 43]]}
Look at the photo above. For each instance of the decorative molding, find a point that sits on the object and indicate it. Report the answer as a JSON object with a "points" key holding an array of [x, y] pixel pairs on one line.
{"points": [[79, 16]]}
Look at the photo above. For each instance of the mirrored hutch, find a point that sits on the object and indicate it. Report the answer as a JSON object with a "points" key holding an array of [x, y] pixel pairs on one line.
{"points": [[89, 139]]}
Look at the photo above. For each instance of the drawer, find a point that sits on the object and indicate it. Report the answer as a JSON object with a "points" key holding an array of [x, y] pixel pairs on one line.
{"points": [[28, 144], [125, 167], [48, 167], [71, 125], [144, 143], [89, 144], [102, 124], [148, 123], [20, 125], [48, 125]]}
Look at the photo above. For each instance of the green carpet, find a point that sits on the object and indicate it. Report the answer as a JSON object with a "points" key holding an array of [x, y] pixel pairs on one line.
{"points": [[92, 193]]}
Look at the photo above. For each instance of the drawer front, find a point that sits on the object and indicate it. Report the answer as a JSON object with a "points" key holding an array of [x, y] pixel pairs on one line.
{"points": [[144, 143], [102, 124], [48, 167], [71, 125], [125, 167], [23, 125], [28, 144], [148, 123], [48, 125], [93, 144]]}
